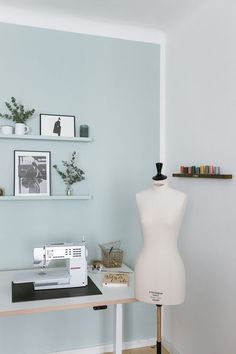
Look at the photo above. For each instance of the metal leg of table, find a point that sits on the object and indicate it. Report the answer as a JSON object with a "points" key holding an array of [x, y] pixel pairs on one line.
{"points": [[118, 324]]}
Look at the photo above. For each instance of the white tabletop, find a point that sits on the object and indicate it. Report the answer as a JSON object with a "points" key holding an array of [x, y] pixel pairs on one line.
{"points": [[110, 295]]}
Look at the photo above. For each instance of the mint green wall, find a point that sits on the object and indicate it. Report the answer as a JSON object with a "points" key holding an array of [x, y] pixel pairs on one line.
{"points": [[113, 86]]}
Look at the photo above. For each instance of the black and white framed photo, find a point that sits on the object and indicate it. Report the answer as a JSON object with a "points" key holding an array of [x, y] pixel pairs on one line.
{"points": [[57, 125], [32, 173]]}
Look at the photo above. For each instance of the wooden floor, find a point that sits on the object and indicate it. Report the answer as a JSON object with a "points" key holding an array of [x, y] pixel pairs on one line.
{"points": [[146, 350]]}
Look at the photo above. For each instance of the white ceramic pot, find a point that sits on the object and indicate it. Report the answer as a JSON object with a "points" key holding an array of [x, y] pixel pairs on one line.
{"points": [[21, 129], [6, 129]]}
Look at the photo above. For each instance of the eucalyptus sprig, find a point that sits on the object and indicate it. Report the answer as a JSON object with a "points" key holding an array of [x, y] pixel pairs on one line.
{"points": [[17, 112], [72, 173]]}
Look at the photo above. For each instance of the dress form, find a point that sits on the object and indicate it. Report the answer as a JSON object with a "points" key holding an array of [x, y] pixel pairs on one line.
{"points": [[159, 270]]}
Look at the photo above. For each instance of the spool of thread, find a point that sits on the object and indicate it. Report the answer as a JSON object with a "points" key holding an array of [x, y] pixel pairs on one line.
{"points": [[193, 170], [181, 169], [202, 169], [217, 170], [211, 170]]}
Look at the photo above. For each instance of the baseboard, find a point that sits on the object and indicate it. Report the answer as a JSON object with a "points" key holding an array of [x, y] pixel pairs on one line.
{"points": [[126, 345], [109, 348], [169, 347]]}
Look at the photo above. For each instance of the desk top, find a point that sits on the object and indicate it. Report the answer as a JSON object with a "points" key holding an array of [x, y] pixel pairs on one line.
{"points": [[110, 295]]}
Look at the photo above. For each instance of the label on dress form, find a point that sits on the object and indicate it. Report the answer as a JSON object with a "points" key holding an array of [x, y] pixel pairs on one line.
{"points": [[156, 296]]}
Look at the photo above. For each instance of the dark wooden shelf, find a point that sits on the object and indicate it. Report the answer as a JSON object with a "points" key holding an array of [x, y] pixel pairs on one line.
{"points": [[221, 176]]}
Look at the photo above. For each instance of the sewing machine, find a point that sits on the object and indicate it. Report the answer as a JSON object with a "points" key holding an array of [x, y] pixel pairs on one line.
{"points": [[73, 275]]}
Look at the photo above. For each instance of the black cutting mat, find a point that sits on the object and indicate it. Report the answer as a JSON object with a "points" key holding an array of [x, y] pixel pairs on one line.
{"points": [[25, 292]]}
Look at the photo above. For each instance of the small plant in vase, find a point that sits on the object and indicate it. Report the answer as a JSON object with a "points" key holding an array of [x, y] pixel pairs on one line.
{"points": [[19, 115], [72, 174]]}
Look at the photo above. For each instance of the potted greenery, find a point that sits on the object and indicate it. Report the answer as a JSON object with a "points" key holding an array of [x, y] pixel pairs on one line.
{"points": [[72, 173], [19, 115]]}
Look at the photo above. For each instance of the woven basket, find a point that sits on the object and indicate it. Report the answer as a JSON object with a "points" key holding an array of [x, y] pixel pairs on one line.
{"points": [[112, 258]]}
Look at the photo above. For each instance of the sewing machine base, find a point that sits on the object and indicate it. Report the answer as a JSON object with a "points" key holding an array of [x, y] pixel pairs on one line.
{"points": [[52, 278], [57, 280]]}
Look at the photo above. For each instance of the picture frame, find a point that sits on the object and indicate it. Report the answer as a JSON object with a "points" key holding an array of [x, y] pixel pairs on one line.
{"points": [[57, 125], [32, 173]]}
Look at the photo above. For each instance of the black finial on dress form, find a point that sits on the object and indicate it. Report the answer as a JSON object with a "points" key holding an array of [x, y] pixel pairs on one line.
{"points": [[159, 176]]}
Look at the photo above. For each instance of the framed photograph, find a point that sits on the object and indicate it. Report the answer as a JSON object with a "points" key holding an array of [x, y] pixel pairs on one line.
{"points": [[32, 173], [57, 125]]}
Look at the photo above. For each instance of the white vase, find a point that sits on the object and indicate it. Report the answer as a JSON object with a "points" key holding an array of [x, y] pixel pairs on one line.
{"points": [[21, 129], [69, 191]]}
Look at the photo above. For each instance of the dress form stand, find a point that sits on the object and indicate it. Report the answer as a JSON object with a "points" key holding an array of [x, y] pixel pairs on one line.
{"points": [[158, 344], [159, 270], [158, 177]]}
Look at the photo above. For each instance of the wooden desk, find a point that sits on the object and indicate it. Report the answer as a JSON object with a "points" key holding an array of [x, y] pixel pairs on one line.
{"points": [[109, 296]]}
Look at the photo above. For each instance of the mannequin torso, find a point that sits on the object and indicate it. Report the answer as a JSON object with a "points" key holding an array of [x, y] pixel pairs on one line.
{"points": [[159, 270]]}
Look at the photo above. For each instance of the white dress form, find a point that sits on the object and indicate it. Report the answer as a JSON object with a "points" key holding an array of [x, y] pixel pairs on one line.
{"points": [[159, 270]]}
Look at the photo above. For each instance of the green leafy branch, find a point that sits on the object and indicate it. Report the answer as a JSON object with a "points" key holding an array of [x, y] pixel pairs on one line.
{"points": [[17, 112], [72, 173]]}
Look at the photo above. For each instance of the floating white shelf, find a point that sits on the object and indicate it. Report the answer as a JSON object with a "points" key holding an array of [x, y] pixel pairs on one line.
{"points": [[44, 137], [52, 197]]}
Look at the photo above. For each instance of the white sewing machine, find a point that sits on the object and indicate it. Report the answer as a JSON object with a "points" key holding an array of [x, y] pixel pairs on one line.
{"points": [[74, 275]]}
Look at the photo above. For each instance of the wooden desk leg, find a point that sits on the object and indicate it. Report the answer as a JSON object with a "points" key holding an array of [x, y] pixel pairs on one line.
{"points": [[118, 324]]}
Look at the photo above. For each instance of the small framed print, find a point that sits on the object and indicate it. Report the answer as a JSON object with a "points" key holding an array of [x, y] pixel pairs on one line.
{"points": [[32, 173], [57, 125]]}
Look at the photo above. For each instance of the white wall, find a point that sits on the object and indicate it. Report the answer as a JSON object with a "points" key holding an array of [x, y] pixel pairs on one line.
{"points": [[201, 128]]}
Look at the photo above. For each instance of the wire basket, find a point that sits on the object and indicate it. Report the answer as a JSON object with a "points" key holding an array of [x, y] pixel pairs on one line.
{"points": [[112, 255]]}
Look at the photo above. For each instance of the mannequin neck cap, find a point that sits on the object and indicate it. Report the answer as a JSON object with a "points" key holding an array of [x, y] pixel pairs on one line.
{"points": [[160, 184]]}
